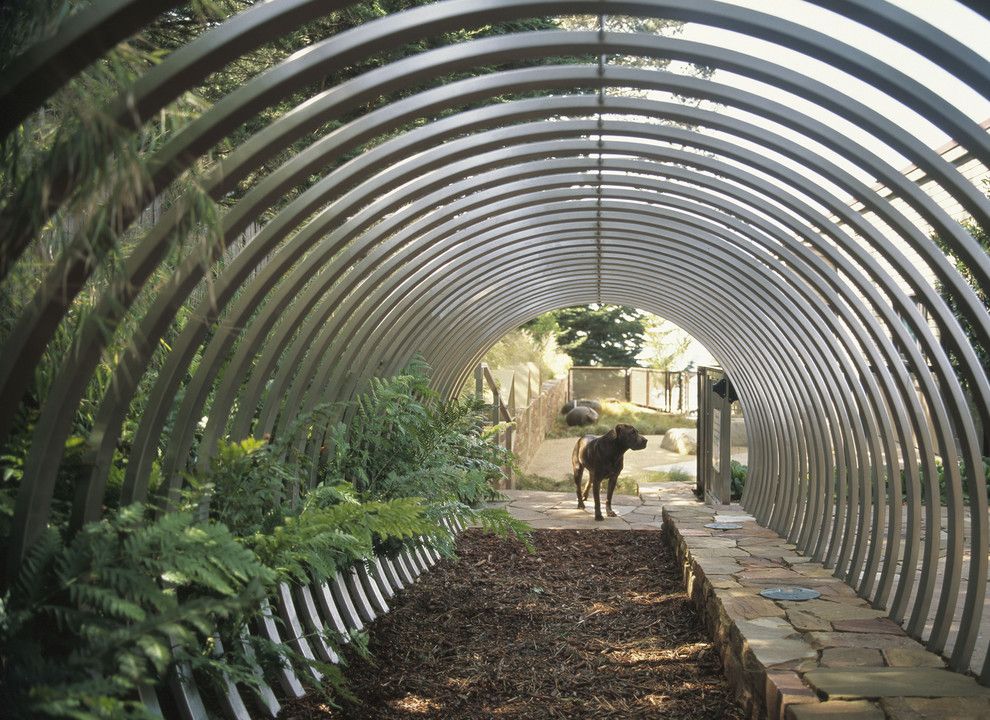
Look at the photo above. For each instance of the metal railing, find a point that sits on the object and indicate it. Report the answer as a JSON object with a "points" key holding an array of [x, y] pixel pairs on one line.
{"points": [[664, 390]]}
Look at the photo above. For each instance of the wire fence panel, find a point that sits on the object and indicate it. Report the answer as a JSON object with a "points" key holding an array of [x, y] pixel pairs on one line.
{"points": [[598, 383], [673, 391]]}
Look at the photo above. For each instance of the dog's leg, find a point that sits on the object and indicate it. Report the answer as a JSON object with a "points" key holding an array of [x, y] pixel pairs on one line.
{"points": [[596, 482], [612, 480], [578, 474]]}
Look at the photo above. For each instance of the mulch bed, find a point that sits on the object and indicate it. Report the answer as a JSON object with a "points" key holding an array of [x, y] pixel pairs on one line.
{"points": [[591, 625]]}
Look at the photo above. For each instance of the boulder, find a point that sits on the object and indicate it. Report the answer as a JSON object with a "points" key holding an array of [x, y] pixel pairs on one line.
{"points": [[681, 440], [593, 404], [581, 416]]}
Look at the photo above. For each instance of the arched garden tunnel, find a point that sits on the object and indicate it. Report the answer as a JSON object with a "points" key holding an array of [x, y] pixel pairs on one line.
{"points": [[353, 224]]}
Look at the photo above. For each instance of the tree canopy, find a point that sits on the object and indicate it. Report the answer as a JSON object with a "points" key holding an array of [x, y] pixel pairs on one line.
{"points": [[601, 334]]}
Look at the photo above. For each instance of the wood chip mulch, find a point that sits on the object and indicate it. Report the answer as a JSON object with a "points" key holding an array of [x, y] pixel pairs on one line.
{"points": [[591, 625]]}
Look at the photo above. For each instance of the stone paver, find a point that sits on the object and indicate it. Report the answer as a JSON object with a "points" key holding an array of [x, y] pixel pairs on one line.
{"points": [[783, 656], [837, 709], [559, 511], [902, 708], [912, 657], [851, 657], [837, 684]]}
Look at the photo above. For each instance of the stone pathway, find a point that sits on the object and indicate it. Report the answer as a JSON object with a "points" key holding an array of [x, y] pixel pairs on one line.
{"points": [[833, 656], [558, 511]]}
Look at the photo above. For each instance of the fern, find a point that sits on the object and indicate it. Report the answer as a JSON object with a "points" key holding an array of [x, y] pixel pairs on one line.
{"points": [[133, 595], [126, 594]]}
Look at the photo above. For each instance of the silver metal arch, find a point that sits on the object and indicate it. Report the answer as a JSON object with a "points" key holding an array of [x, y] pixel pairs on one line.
{"points": [[901, 88], [226, 172]]}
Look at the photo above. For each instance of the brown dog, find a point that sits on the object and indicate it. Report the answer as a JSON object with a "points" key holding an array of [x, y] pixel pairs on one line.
{"points": [[602, 456]]}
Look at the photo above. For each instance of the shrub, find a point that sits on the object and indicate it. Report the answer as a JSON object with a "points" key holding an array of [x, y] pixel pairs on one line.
{"points": [[90, 621], [135, 594], [738, 473]]}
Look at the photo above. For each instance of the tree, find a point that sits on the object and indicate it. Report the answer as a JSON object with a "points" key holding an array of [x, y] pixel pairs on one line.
{"points": [[601, 334], [982, 236], [664, 343]]}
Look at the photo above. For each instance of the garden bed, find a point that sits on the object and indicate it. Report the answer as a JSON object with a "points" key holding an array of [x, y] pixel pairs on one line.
{"points": [[591, 625]]}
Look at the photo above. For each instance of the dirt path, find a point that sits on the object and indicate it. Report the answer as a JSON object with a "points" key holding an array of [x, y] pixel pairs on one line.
{"points": [[593, 625]]}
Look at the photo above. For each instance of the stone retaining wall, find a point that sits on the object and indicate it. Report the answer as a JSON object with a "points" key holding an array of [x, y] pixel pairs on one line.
{"points": [[534, 422], [830, 657]]}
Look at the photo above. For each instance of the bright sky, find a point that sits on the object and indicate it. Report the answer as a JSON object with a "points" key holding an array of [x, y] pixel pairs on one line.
{"points": [[951, 17]]}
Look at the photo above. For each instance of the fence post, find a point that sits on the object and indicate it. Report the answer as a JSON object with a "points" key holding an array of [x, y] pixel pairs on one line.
{"points": [[703, 451], [725, 452], [512, 396]]}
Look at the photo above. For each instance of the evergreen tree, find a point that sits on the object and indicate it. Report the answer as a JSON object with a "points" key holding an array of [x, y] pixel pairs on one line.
{"points": [[601, 334]]}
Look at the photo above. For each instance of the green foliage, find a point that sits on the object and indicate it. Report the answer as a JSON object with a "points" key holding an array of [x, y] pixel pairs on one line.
{"points": [[323, 539], [738, 473], [134, 595], [665, 342], [403, 442], [88, 622], [523, 345], [982, 236], [245, 486], [942, 479], [611, 335]]}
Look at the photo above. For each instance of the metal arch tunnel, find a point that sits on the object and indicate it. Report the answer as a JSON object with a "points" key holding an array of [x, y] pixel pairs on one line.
{"points": [[439, 239]]}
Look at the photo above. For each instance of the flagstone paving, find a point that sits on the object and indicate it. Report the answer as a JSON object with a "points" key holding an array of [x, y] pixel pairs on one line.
{"points": [[832, 657]]}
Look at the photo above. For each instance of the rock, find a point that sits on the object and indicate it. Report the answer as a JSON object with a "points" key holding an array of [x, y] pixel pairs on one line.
{"points": [[835, 710], [912, 657], [681, 440], [568, 406], [851, 657], [593, 404], [957, 708], [581, 416], [893, 682]]}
